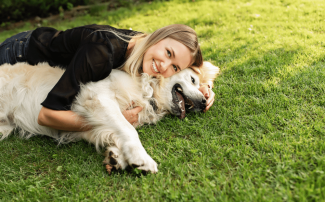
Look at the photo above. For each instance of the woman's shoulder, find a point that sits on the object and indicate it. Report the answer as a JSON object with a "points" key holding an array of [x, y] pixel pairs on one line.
{"points": [[83, 30], [96, 27]]}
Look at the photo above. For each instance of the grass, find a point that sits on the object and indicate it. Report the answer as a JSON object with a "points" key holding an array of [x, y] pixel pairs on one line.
{"points": [[263, 139]]}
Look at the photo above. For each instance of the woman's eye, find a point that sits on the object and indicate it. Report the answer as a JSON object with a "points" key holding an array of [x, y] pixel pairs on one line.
{"points": [[193, 80], [175, 68], [168, 53]]}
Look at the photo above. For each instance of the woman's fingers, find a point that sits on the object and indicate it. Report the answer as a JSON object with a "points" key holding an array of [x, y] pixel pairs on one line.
{"points": [[210, 100], [136, 110], [131, 115], [209, 95], [205, 91]]}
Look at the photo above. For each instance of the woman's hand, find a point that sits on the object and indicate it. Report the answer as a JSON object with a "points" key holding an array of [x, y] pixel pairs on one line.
{"points": [[131, 115], [208, 94]]}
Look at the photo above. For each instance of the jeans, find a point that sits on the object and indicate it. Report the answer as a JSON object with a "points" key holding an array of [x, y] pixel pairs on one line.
{"points": [[14, 49]]}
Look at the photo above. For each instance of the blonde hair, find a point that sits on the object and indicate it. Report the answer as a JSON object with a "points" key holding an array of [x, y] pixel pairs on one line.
{"points": [[181, 33]]}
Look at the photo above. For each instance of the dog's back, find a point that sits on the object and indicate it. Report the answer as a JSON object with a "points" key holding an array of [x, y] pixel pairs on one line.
{"points": [[24, 87]]}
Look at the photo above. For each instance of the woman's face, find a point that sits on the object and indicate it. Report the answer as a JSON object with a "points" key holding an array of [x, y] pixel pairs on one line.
{"points": [[166, 58]]}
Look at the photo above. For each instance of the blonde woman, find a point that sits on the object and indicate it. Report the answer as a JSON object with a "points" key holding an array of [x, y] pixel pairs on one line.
{"points": [[89, 53]]}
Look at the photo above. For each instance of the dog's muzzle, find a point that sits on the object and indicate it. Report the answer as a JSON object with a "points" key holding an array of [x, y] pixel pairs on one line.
{"points": [[184, 104]]}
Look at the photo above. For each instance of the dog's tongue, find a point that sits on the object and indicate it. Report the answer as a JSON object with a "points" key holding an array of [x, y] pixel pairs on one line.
{"points": [[181, 104]]}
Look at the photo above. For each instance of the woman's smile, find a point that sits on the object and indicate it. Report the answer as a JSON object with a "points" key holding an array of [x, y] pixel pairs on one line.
{"points": [[154, 66]]}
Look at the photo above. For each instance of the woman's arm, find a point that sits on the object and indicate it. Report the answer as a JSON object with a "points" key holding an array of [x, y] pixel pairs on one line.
{"points": [[62, 120], [70, 121]]}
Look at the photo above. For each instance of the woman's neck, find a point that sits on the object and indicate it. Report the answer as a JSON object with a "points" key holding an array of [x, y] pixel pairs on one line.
{"points": [[130, 47]]}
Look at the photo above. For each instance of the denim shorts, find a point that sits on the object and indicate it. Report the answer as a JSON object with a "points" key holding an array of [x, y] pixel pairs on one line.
{"points": [[14, 49]]}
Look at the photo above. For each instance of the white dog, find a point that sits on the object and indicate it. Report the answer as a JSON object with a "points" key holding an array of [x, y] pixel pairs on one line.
{"points": [[24, 87]]}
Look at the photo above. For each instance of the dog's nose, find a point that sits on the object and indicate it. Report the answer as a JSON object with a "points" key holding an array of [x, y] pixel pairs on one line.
{"points": [[203, 104]]}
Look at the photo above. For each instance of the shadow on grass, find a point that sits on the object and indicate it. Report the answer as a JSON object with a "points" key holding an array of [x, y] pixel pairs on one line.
{"points": [[113, 16]]}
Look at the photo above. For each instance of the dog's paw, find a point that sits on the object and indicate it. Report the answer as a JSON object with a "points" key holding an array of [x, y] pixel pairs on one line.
{"points": [[149, 166], [114, 158], [137, 157]]}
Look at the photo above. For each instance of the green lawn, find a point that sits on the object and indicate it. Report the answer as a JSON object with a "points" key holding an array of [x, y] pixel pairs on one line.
{"points": [[263, 139]]}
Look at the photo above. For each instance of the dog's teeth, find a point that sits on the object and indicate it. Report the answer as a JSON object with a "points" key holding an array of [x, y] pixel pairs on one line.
{"points": [[179, 89], [180, 104]]}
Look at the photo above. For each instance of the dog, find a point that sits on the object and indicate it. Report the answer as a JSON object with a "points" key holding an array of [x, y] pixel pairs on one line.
{"points": [[23, 87]]}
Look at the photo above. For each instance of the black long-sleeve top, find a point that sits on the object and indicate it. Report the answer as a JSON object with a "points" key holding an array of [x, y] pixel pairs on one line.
{"points": [[87, 53]]}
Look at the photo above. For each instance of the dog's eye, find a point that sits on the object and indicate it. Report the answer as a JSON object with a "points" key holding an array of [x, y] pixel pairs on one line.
{"points": [[193, 80]]}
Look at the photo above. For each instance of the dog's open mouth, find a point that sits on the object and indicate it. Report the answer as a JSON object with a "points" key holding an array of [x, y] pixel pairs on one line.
{"points": [[181, 101]]}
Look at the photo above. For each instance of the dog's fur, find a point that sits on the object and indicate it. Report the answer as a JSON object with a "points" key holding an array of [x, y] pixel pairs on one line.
{"points": [[24, 87]]}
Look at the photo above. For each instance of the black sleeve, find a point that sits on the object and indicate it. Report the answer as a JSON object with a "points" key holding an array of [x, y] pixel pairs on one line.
{"points": [[92, 62]]}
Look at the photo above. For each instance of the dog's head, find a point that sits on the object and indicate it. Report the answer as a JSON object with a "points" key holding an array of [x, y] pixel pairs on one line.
{"points": [[180, 92], [186, 97]]}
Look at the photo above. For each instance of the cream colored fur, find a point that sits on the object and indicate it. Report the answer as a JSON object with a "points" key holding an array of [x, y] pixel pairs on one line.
{"points": [[24, 87]]}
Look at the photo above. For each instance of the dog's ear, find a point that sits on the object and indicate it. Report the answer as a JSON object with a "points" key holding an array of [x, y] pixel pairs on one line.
{"points": [[208, 73], [196, 69]]}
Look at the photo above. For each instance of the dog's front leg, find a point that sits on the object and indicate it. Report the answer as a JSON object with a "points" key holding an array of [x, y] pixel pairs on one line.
{"points": [[134, 153], [129, 152], [111, 129]]}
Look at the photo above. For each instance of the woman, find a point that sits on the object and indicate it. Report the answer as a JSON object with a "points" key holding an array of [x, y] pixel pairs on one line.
{"points": [[89, 53]]}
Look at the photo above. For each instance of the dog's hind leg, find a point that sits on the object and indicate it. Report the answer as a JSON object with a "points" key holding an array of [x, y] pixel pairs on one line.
{"points": [[5, 131], [5, 127]]}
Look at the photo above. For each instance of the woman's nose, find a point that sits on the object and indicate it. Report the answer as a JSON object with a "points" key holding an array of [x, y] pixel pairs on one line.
{"points": [[165, 64]]}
